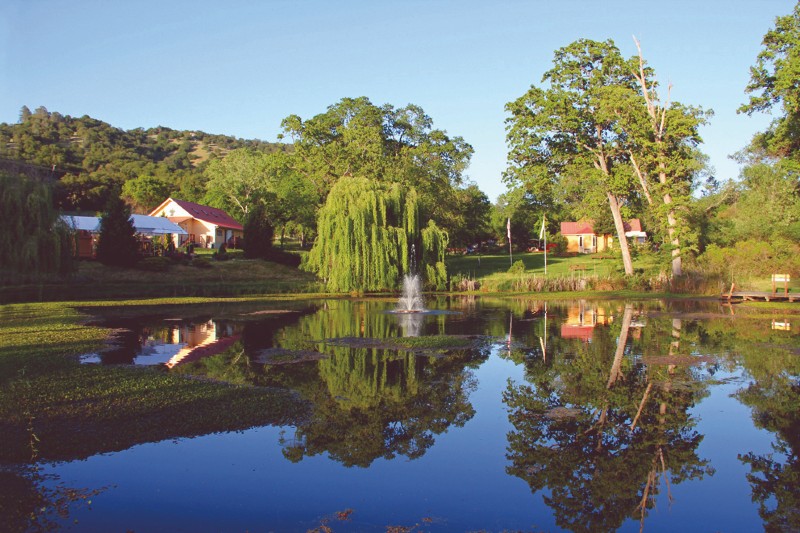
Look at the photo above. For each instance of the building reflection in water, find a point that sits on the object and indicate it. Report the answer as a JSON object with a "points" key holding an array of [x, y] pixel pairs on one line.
{"points": [[172, 344], [201, 340], [582, 319]]}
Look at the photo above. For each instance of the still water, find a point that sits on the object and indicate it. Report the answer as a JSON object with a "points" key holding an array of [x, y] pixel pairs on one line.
{"points": [[485, 414]]}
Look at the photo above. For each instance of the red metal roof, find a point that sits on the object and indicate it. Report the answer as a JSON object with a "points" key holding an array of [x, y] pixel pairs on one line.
{"points": [[587, 228], [577, 228], [209, 214], [633, 225]]}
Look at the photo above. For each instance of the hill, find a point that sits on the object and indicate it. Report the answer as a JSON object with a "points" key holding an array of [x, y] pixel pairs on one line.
{"points": [[89, 158]]}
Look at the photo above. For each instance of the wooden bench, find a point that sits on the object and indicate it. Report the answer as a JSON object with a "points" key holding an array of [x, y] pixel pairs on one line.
{"points": [[781, 278]]}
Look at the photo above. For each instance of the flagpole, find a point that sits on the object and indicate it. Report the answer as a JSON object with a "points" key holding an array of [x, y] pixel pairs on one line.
{"points": [[510, 255], [544, 217]]}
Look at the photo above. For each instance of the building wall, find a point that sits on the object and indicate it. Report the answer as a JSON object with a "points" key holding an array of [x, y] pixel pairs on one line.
{"points": [[203, 234], [604, 242]]}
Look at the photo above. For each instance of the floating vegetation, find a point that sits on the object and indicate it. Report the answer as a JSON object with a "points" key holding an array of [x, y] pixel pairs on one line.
{"points": [[282, 356], [270, 312], [433, 343], [679, 360]]}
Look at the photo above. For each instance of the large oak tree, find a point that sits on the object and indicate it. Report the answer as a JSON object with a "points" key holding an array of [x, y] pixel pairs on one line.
{"points": [[567, 134]]}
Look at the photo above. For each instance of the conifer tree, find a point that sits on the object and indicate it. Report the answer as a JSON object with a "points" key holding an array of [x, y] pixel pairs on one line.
{"points": [[258, 234], [117, 244]]}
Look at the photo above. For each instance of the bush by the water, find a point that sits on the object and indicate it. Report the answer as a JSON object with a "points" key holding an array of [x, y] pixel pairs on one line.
{"points": [[463, 283], [276, 255], [751, 259]]}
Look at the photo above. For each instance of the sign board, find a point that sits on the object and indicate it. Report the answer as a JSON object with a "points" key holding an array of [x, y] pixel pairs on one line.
{"points": [[781, 325], [781, 278]]}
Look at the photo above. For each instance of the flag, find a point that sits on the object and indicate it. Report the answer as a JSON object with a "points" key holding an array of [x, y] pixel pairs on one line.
{"points": [[508, 228], [541, 231]]}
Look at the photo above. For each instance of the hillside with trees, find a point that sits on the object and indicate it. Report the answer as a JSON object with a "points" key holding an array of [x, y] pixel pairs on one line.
{"points": [[90, 158]]}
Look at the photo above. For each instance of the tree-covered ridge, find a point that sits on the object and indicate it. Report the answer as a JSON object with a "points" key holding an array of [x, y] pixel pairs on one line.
{"points": [[91, 158]]}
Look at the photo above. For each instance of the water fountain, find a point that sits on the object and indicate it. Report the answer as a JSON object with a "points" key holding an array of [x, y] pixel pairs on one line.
{"points": [[411, 299]]}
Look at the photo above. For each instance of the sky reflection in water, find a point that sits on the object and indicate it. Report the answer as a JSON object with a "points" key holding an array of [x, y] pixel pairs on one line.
{"points": [[509, 414]]}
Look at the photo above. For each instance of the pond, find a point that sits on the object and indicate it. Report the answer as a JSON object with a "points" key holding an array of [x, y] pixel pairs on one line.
{"points": [[488, 414]]}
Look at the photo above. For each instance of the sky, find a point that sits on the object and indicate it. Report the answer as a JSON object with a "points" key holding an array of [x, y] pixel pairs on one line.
{"points": [[239, 67]]}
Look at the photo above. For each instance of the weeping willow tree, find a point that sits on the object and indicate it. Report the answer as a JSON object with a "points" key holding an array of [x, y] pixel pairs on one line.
{"points": [[33, 241], [368, 237]]}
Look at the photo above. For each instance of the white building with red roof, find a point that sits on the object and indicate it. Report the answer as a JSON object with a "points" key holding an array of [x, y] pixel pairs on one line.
{"points": [[205, 226], [581, 237]]}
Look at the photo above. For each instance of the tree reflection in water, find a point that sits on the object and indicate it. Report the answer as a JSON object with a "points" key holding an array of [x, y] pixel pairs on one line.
{"points": [[577, 432], [369, 399], [773, 397]]}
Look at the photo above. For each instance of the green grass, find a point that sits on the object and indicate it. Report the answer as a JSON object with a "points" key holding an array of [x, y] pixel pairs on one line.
{"points": [[235, 277], [492, 272], [485, 267], [82, 410], [54, 408]]}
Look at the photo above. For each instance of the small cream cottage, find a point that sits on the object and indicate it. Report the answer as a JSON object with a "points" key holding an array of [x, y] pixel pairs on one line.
{"points": [[205, 226]]}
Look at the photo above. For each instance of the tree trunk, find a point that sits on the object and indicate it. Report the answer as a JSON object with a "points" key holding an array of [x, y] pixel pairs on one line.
{"points": [[613, 203], [677, 265], [658, 119], [627, 316]]}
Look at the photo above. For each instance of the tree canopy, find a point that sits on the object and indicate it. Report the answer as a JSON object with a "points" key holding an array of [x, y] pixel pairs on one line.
{"points": [[354, 137], [90, 158], [567, 135], [369, 237], [774, 82]]}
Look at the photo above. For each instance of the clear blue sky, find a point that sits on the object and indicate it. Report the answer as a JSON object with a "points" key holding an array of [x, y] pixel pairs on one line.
{"points": [[239, 67]]}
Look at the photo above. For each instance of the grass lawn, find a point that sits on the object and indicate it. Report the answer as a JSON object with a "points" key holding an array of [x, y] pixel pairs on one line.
{"points": [[204, 277], [54, 408], [495, 267]]}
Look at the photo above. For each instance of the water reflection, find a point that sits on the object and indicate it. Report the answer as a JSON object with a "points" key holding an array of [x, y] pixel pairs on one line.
{"points": [[604, 418], [603, 432], [411, 323], [371, 398], [773, 398], [582, 318], [157, 343]]}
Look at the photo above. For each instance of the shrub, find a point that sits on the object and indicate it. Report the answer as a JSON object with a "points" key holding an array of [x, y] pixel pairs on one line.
{"points": [[276, 255], [517, 268], [751, 259], [560, 242], [221, 254]]}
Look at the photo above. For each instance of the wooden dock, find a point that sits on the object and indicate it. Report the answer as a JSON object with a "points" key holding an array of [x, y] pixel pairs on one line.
{"points": [[760, 296], [763, 296]]}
